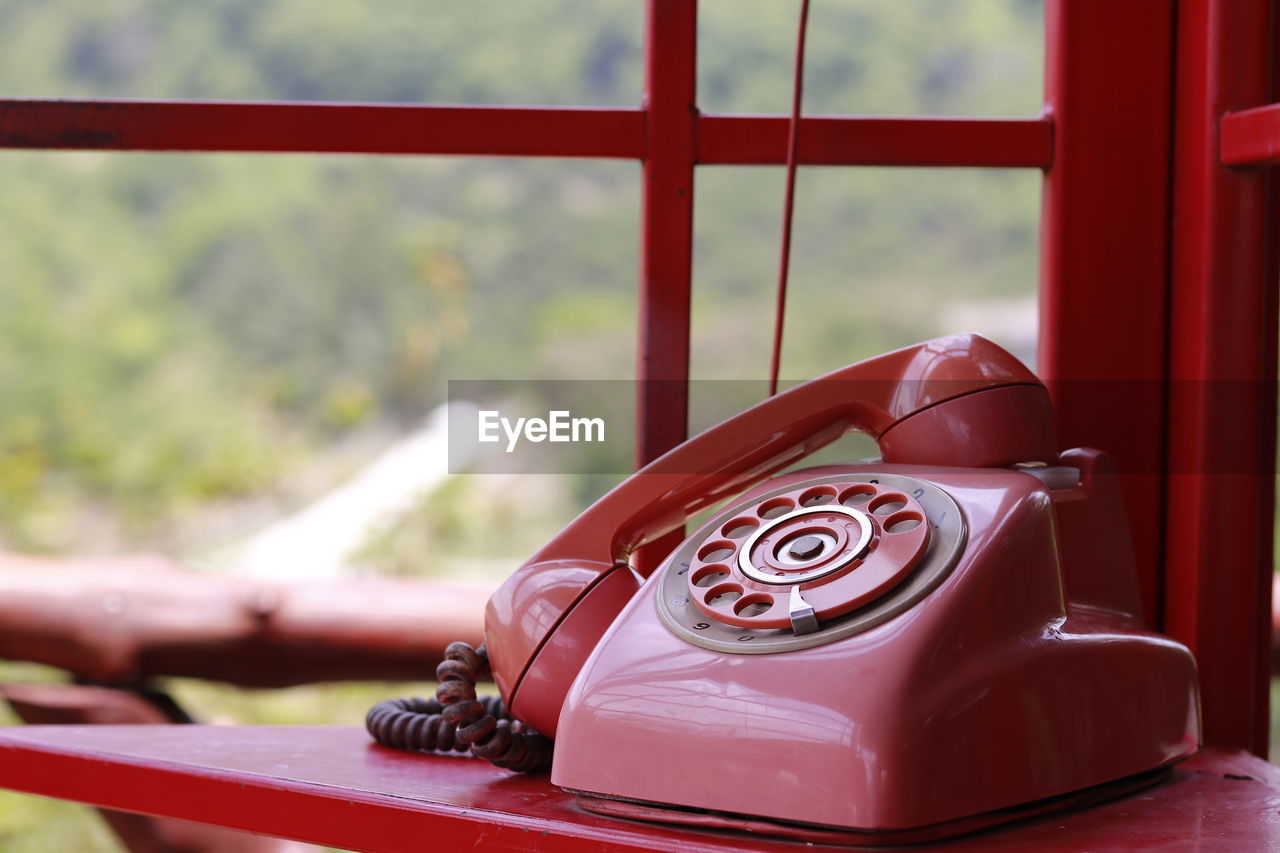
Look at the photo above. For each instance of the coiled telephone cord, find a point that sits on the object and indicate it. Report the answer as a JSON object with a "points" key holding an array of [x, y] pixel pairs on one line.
{"points": [[457, 720]]}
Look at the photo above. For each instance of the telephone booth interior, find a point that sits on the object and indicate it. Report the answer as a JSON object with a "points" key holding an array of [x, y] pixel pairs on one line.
{"points": [[1158, 268]]}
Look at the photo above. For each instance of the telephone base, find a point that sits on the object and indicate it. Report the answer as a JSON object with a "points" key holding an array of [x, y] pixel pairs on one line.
{"points": [[813, 834]]}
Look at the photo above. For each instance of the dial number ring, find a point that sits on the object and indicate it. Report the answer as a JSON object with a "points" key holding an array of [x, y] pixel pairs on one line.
{"points": [[684, 616], [861, 556]]}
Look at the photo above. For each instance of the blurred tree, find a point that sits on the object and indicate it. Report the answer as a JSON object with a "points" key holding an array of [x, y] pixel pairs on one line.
{"points": [[177, 332]]}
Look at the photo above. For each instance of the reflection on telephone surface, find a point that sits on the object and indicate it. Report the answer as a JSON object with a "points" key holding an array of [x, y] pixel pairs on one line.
{"points": [[884, 652]]}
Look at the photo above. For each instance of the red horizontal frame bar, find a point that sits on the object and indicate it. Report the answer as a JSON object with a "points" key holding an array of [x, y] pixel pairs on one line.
{"points": [[1250, 137], [347, 128], [496, 131], [861, 141]]}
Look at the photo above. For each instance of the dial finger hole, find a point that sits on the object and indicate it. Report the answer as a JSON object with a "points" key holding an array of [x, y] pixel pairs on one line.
{"points": [[857, 495], [776, 507], [888, 504], [710, 575], [753, 605], [723, 594], [739, 528], [903, 521], [818, 495], [714, 552]]}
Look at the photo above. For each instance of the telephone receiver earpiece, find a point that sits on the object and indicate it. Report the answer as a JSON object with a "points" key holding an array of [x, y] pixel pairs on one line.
{"points": [[957, 401]]}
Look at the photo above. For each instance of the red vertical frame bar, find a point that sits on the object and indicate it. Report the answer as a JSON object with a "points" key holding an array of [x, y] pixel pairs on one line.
{"points": [[1105, 245], [666, 249], [1222, 357], [666, 252]]}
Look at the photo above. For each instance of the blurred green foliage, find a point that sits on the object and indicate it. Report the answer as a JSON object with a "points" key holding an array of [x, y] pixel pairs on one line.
{"points": [[179, 332]]}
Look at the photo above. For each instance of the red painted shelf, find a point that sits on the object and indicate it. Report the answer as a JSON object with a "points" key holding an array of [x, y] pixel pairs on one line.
{"points": [[330, 785]]}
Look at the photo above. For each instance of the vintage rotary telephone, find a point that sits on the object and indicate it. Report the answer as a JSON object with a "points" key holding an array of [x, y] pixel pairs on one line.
{"points": [[889, 651]]}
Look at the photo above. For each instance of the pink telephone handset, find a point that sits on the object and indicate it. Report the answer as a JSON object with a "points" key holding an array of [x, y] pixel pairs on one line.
{"points": [[943, 639]]}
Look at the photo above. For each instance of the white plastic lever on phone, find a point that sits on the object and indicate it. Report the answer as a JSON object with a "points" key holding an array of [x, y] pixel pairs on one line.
{"points": [[803, 619]]}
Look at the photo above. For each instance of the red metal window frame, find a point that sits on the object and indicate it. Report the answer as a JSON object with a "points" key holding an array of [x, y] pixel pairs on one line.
{"points": [[1138, 233], [1159, 263]]}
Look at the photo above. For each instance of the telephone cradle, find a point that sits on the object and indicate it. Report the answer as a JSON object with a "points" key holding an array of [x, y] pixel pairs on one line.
{"points": [[904, 649]]}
